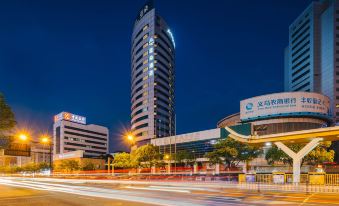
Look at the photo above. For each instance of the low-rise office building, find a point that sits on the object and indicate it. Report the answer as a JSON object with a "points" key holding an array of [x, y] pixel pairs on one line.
{"points": [[71, 133], [267, 114]]}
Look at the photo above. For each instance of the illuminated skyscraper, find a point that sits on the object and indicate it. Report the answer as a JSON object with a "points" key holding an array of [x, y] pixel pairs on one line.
{"points": [[153, 74], [312, 55]]}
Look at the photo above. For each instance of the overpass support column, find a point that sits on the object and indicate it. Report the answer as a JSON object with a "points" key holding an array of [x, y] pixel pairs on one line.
{"points": [[297, 157]]}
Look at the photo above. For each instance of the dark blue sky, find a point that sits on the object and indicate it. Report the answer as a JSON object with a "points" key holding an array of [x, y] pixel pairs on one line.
{"points": [[74, 55]]}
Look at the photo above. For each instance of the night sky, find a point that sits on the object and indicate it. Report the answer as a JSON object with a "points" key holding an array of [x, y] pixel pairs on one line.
{"points": [[74, 55]]}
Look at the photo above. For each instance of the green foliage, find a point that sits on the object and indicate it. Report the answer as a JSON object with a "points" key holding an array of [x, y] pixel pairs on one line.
{"points": [[30, 167], [318, 155], [122, 160], [274, 155], [184, 157], [7, 120], [88, 166], [146, 156], [68, 165], [232, 152]]}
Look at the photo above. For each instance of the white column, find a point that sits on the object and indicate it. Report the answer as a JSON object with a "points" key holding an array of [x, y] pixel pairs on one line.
{"points": [[297, 157], [217, 169], [108, 165], [195, 169]]}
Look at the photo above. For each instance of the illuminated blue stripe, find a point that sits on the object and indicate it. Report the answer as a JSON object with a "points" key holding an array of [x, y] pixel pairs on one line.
{"points": [[292, 114]]}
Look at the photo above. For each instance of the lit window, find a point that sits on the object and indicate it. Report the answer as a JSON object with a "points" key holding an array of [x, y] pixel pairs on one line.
{"points": [[145, 53], [151, 65], [145, 62], [151, 41], [145, 94], [145, 27], [145, 77], [145, 69], [151, 50], [151, 57], [145, 36], [145, 45], [144, 86], [150, 73]]}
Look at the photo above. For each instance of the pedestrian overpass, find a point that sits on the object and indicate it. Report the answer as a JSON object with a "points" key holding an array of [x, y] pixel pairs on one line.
{"points": [[311, 138]]}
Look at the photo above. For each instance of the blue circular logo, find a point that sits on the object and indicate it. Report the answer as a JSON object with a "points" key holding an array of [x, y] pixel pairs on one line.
{"points": [[249, 106]]}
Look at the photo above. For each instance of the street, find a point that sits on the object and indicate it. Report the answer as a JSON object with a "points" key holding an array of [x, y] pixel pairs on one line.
{"points": [[46, 191]]}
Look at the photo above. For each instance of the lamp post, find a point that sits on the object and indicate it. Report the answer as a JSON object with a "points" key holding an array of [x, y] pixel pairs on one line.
{"points": [[167, 157], [47, 140]]}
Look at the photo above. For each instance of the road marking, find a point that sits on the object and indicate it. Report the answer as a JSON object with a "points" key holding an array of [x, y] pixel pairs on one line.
{"points": [[307, 198]]}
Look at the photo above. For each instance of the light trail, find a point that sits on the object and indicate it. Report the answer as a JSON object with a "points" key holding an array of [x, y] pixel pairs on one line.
{"points": [[93, 192], [158, 189]]}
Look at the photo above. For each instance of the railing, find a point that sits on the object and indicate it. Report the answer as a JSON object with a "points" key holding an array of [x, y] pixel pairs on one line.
{"points": [[332, 179]]}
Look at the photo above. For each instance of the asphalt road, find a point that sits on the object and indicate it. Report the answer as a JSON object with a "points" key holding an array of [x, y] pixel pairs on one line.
{"points": [[50, 192]]}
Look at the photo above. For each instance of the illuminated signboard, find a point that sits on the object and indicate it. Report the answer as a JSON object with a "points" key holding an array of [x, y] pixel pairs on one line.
{"points": [[70, 117], [285, 104], [145, 9], [16, 149]]}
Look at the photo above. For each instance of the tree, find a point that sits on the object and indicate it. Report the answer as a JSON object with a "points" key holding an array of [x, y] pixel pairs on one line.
{"points": [[231, 152], [88, 166], [274, 155], [318, 155], [185, 157], [7, 121], [31, 167], [69, 165], [146, 156], [122, 160]]}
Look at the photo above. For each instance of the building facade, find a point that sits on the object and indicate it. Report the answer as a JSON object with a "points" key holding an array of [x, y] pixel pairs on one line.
{"points": [[71, 133], [312, 56], [261, 115], [282, 112], [153, 74]]}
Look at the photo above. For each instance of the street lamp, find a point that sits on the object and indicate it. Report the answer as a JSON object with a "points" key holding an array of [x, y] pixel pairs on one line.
{"points": [[45, 139], [130, 138], [23, 137]]}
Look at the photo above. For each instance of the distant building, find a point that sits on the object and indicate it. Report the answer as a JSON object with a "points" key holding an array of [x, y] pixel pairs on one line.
{"points": [[312, 55], [39, 154], [153, 74], [79, 156], [71, 133]]}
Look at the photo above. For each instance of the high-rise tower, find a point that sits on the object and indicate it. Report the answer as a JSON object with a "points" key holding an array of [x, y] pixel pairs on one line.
{"points": [[312, 56], [153, 74]]}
